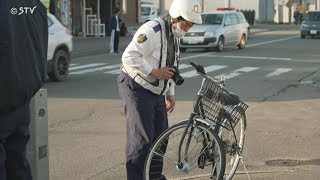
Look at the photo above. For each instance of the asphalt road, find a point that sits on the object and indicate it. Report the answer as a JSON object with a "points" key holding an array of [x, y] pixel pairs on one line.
{"points": [[271, 62], [276, 75]]}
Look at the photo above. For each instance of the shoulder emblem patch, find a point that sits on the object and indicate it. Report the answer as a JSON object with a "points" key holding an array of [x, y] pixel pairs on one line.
{"points": [[142, 38], [196, 8]]}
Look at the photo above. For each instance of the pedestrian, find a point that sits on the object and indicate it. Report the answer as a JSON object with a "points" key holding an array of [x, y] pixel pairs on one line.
{"points": [[115, 31], [23, 61], [296, 16], [147, 80]]}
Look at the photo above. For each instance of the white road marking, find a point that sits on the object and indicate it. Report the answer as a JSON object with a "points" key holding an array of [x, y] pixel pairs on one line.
{"points": [[207, 69], [73, 65], [184, 66], [249, 45], [278, 72], [272, 41], [117, 71], [86, 66], [97, 69], [192, 57], [251, 57], [236, 72], [306, 82]]}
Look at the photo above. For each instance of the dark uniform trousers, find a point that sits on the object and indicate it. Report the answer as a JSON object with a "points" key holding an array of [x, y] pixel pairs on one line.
{"points": [[14, 135], [146, 118]]}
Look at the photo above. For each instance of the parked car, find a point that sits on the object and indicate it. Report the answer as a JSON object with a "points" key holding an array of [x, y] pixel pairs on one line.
{"points": [[311, 24], [59, 49], [217, 30]]}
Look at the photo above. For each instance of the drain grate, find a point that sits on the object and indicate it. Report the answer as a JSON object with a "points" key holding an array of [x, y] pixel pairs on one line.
{"points": [[283, 162]]}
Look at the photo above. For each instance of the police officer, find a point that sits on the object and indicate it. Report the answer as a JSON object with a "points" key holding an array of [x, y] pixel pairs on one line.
{"points": [[145, 83], [23, 61]]}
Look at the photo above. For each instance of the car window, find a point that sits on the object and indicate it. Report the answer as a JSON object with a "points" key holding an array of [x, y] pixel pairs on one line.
{"points": [[241, 17], [228, 20], [313, 16], [209, 19], [50, 22], [234, 19]]}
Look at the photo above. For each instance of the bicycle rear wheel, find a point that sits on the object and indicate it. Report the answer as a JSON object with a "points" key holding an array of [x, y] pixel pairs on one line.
{"points": [[202, 154], [233, 143]]}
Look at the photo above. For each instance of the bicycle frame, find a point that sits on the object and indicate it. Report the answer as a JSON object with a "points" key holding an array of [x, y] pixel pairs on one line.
{"points": [[195, 116]]}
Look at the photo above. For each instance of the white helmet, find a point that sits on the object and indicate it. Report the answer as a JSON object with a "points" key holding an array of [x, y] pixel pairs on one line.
{"points": [[188, 9]]}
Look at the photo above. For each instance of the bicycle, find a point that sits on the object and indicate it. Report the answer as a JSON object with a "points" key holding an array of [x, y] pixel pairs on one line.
{"points": [[213, 126]]}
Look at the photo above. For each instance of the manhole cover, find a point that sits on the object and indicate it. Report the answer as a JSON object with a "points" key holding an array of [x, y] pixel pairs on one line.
{"points": [[283, 162]]}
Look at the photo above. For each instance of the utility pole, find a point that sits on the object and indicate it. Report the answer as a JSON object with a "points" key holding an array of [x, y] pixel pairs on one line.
{"points": [[202, 6], [227, 3], [162, 7]]}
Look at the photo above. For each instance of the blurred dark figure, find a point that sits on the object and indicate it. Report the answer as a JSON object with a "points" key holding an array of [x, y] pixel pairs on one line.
{"points": [[296, 16], [301, 17], [123, 28], [23, 58], [114, 31]]}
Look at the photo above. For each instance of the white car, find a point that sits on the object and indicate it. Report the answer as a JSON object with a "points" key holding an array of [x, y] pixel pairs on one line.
{"points": [[59, 49], [217, 30]]}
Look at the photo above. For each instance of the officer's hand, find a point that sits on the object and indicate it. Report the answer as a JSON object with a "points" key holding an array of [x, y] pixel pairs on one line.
{"points": [[163, 73], [170, 103]]}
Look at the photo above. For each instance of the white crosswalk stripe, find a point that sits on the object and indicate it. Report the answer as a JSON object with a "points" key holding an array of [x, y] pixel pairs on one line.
{"points": [[208, 69], [86, 66], [184, 66], [278, 72], [115, 69], [73, 65], [236, 72], [96, 69]]}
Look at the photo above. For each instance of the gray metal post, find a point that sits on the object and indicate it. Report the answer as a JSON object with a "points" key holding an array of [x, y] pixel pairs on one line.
{"points": [[202, 6], [37, 148]]}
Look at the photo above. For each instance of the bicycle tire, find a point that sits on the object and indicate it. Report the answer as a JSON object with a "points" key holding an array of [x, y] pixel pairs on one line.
{"points": [[171, 154], [227, 137]]}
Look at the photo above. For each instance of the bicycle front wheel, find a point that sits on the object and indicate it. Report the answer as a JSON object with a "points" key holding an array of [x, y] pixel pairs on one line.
{"points": [[233, 142], [202, 154]]}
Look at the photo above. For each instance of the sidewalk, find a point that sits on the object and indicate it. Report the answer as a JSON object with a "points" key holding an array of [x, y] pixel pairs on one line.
{"points": [[99, 45]]}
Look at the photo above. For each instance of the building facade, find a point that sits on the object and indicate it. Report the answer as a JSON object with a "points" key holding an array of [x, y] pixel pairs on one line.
{"points": [[91, 17]]}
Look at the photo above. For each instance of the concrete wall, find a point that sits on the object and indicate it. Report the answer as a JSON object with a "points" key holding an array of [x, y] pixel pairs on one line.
{"points": [[266, 10]]}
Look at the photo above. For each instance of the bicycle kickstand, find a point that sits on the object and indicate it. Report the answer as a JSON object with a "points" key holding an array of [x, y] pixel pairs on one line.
{"points": [[244, 165]]}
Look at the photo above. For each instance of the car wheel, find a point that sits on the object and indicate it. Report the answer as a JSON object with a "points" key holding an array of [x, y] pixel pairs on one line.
{"points": [[220, 45], [303, 36], [60, 66], [183, 49], [243, 42]]}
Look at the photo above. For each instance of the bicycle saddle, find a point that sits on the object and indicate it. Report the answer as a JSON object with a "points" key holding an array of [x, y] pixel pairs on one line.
{"points": [[229, 98]]}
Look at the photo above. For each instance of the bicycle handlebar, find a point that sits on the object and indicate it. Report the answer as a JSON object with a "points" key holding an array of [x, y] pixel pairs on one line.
{"points": [[199, 68]]}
